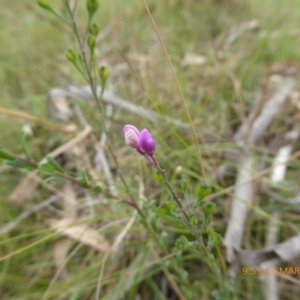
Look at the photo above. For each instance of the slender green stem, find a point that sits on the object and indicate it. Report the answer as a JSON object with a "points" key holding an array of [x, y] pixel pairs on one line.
{"points": [[209, 258]]}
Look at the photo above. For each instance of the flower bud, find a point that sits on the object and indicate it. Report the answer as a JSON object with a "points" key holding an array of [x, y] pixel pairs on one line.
{"points": [[182, 243], [208, 208], [71, 55], [94, 29], [92, 6], [44, 4], [91, 42], [202, 191], [103, 74], [146, 142]]}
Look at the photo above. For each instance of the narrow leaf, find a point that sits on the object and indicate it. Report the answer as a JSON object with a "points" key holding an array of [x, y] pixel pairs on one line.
{"points": [[24, 146], [20, 165], [55, 164], [47, 169], [6, 155]]}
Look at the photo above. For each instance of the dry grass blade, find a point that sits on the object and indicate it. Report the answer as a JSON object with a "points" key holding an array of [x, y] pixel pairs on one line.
{"points": [[60, 254], [25, 189], [13, 223], [61, 247], [21, 193], [28, 117], [70, 203], [81, 233]]}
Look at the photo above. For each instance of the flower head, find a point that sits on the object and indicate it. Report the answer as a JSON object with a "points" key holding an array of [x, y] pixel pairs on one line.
{"points": [[142, 142], [146, 142]]}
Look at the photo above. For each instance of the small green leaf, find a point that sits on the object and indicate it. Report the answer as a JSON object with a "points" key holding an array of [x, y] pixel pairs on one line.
{"points": [[202, 191], [24, 146], [153, 220], [168, 208], [182, 243], [171, 205], [20, 164], [97, 189], [193, 221], [179, 260], [215, 239], [158, 177], [47, 169], [164, 264], [150, 204], [55, 164], [85, 182], [6, 155], [163, 209], [85, 177], [164, 238], [184, 184], [56, 179]]}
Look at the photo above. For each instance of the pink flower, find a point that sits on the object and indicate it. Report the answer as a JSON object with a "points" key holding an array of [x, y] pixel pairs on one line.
{"points": [[142, 142]]}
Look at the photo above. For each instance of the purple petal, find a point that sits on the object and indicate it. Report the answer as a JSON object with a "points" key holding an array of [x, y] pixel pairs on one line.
{"points": [[127, 127], [146, 142], [131, 134]]}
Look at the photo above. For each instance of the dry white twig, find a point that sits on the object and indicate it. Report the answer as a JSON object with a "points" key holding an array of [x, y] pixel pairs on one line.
{"points": [[100, 159], [269, 281], [268, 112], [236, 33], [110, 98], [239, 209], [283, 252], [281, 159]]}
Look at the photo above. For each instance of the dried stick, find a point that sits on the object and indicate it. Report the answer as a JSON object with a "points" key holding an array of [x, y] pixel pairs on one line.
{"points": [[111, 98], [269, 281], [241, 201], [268, 112]]}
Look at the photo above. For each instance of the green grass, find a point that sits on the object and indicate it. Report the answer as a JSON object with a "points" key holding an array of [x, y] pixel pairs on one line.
{"points": [[32, 61]]}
